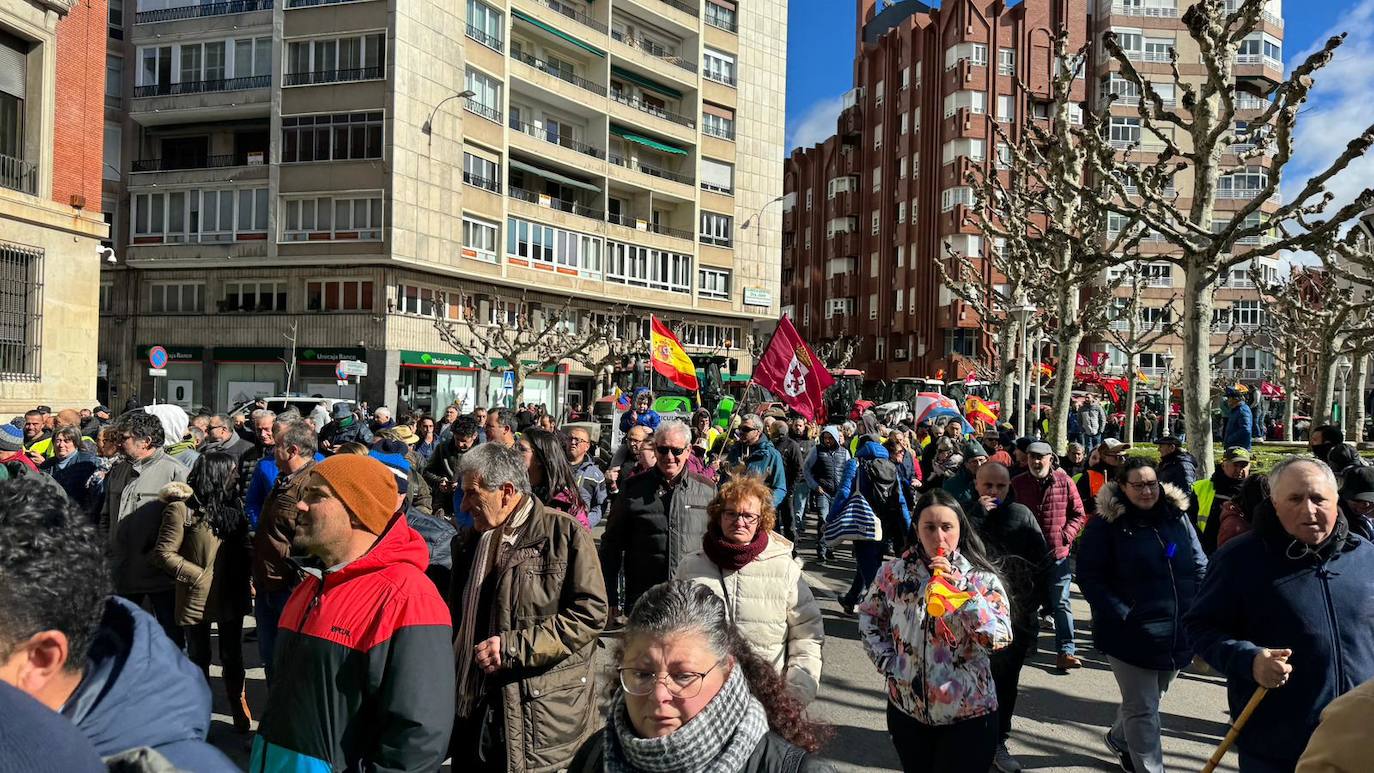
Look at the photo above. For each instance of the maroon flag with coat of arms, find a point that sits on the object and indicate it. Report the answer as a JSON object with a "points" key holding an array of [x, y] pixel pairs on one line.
{"points": [[793, 372]]}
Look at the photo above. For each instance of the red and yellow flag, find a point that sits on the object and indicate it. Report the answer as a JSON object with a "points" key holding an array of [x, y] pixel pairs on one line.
{"points": [[669, 358], [977, 410]]}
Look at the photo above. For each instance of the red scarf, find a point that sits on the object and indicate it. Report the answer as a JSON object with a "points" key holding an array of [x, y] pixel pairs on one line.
{"points": [[732, 556]]}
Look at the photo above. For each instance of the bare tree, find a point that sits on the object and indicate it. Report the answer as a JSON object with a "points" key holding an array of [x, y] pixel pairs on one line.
{"points": [[1198, 142], [529, 341], [839, 351], [1291, 335], [288, 358], [1129, 330], [617, 337]]}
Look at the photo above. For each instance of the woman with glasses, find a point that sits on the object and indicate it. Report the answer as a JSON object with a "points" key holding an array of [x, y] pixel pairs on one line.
{"points": [[941, 700], [551, 477], [1140, 566], [750, 567], [692, 695]]}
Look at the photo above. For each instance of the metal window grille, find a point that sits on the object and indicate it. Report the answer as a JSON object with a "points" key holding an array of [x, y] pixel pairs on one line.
{"points": [[21, 312]]}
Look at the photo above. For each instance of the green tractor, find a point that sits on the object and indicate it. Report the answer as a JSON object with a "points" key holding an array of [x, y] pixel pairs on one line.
{"points": [[670, 400]]}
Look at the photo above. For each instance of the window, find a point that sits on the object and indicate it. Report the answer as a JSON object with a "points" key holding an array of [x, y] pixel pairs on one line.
{"points": [[424, 301], [176, 297], [878, 92], [807, 240], [481, 172], [901, 255], [952, 197], [901, 212], [485, 25], [717, 229], [897, 305], [114, 16], [480, 239], [878, 137], [902, 124], [968, 245], [873, 306], [1006, 61], [808, 199], [644, 267], [506, 313], [487, 102], [254, 295], [714, 283], [1006, 108], [549, 248], [969, 148], [1243, 184], [199, 215], [976, 53], [901, 168], [877, 178], [337, 137], [974, 101], [114, 147], [332, 218], [1004, 156], [873, 264], [21, 310], [106, 297], [114, 76], [839, 307], [876, 226], [338, 295], [718, 121], [717, 176], [1156, 315], [1258, 48], [335, 60], [1157, 274], [708, 335], [839, 185], [1123, 132], [718, 15], [719, 67]]}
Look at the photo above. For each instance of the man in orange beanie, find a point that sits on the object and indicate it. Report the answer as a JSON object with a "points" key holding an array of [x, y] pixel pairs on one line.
{"points": [[364, 657]]}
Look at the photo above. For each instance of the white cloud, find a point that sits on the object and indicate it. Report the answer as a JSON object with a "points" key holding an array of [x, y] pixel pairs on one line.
{"points": [[817, 123]]}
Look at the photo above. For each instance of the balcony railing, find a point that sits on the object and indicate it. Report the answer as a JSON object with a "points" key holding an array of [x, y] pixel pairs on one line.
{"points": [[313, 3], [18, 174], [649, 170], [489, 113], [716, 19], [714, 131], [1239, 194], [375, 72], [1129, 10], [690, 10], [562, 205], [175, 164], [1131, 100], [728, 80], [653, 49], [1252, 103], [490, 41], [563, 75], [644, 225], [645, 107], [557, 138], [203, 87], [200, 10], [485, 183], [575, 15], [1267, 61], [1147, 56]]}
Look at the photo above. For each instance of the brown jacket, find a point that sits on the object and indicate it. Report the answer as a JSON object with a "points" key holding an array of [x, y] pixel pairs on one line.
{"points": [[211, 579], [549, 607], [273, 569], [1341, 742]]}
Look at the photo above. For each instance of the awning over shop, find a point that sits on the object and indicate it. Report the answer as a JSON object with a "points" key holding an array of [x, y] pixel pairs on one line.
{"points": [[643, 82], [553, 31], [556, 177], [646, 142]]}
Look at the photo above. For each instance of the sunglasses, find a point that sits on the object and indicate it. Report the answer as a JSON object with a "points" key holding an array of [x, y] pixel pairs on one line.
{"points": [[670, 450]]}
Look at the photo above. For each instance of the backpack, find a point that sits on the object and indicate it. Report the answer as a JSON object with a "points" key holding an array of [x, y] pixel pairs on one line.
{"points": [[884, 495]]}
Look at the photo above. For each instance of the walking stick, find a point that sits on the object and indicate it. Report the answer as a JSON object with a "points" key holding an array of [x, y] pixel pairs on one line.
{"points": [[1230, 738]]}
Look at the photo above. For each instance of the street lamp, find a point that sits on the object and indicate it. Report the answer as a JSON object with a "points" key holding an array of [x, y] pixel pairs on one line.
{"points": [[427, 127], [748, 221], [1343, 366], [1168, 417], [1022, 312]]}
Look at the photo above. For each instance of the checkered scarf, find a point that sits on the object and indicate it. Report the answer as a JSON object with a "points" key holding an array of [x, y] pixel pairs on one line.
{"points": [[720, 739]]}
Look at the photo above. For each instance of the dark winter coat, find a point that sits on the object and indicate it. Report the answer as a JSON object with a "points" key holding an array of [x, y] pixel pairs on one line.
{"points": [[824, 469], [899, 521], [761, 459], [1320, 606], [772, 754], [137, 690], [793, 457], [651, 529], [273, 569], [1056, 506], [211, 571], [443, 464], [73, 478], [1140, 572], [348, 430], [1179, 469], [1012, 537]]}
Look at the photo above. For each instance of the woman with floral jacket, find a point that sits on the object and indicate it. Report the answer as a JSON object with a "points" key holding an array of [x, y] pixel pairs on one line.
{"points": [[942, 704]]}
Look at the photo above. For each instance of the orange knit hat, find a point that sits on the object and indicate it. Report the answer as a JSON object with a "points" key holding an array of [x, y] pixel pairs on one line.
{"points": [[364, 485]]}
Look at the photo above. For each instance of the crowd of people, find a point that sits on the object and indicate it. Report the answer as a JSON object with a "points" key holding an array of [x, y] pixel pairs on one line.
{"points": [[433, 587]]}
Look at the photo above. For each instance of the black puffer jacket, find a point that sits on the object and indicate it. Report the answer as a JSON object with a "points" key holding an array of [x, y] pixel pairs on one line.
{"points": [[1013, 538], [772, 754], [651, 529], [1178, 469]]}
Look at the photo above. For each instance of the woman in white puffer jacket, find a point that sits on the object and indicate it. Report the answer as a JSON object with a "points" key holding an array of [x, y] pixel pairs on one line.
{"points": [[750, 567]]}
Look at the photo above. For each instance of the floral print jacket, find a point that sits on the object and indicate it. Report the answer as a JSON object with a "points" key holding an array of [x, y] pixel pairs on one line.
{"points": [[928, 677]]}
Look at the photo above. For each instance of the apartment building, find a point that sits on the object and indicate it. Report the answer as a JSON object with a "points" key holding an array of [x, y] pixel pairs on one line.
{"points": [[341, 173], [873, 208], [50, 229]]}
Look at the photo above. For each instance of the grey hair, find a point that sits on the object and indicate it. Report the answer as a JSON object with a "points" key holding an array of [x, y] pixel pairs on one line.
{"points": [[382, 410], [196, 434], [849, 427], [679, 606], [71, 434], [1289, 461], [1075, 447], [223, 419], [289, 415], [672, 427], [495, 465], [300, 436], [751, 420], [260, 414]]}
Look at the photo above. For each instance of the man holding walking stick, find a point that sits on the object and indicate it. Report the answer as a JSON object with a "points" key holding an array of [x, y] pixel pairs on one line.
{"points": [[1288, 608]]}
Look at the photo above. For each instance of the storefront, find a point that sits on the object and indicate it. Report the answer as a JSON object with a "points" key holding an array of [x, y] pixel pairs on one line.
{"points": [[247, 372], [431, 381], [184, 384]]}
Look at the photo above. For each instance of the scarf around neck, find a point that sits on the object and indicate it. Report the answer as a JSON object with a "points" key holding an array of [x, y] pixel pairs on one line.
{"points": [[731, 556], [720, 739]]}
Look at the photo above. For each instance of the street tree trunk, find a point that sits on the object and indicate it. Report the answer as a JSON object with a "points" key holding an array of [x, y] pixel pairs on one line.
{"points": [[1007, 365], [1323, 401], [1354, 431], [1063, 387], [1128, 430], [1197, 360]]}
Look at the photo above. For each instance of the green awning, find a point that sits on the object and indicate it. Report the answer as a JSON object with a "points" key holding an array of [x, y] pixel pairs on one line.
{"points": [[645, 141], [643, 82], [541, 25], [556, 177]]}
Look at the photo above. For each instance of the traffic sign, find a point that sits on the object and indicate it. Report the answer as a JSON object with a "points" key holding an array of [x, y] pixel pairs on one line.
{"points": [[351, 368], [157, 358], [508, 381], [157, 372]]}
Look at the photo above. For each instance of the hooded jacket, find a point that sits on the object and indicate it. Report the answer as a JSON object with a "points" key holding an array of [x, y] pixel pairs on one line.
{"points": [[1178, 469], [761, 459], [364, 667], [852, 477], [649, 418], [825, 469], [1239, 425], [1140, 572], [1320, 606], [211, 572], [138, 691], [132, 516]]}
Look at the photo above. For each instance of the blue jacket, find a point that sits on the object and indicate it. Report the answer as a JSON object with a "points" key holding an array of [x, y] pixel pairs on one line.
{"points": [[139, 691], [1238, 427], [1140, 572], [1321, 607], [764, 461], [869, 450]]}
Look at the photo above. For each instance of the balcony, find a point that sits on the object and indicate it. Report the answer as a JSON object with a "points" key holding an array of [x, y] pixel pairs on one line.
{"points": [[556, 138], [322, 77], [485, 183], [492, 42], [561, 205], [202, 87], [207, 9], [559, 73], [652, 171], [649, 48], [1252, 103], [644, 225], [1147, 56], [575, 15], [1241, 194], [1129, 10], [657, 112], [18, 175], [690, 10]]}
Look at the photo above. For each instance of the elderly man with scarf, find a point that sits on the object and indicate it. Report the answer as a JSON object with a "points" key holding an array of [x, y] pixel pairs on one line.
{"points": [[528, 606]]}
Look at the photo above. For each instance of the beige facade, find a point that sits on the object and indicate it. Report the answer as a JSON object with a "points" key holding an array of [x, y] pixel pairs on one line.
{"points": [[357, 189]]}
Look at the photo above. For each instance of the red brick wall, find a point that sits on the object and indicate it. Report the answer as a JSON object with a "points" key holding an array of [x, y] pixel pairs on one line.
{"points": [[80, 121]]}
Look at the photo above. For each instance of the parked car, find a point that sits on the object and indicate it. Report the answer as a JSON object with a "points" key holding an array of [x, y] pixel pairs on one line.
{"points": [[301, 403]]}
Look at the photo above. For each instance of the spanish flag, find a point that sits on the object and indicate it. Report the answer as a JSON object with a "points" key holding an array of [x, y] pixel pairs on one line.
{"points": [[669, 358], [977, 410]]}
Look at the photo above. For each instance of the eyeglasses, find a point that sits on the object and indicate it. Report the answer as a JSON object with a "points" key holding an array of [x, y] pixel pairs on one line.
{"points": [[670, 450], [576, 441], [745, 518], [684, 684], [1144, 485]]}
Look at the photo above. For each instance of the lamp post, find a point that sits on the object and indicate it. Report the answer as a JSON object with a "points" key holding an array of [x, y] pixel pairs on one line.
{"points": [[1343, 366], [427, 128], [1022, 312], [1167, 419]]}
